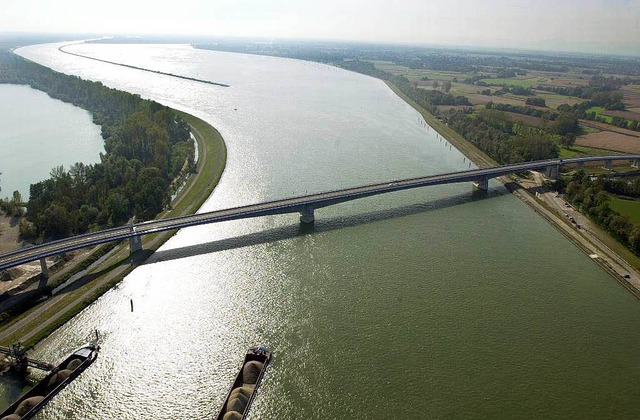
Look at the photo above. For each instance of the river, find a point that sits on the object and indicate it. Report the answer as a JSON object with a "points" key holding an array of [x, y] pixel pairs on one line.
{"points": [[430, 303], [38, 133]]}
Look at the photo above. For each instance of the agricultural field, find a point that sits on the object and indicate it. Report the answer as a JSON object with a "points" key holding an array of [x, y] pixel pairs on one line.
{"points": [[598, 111], [595, 138], [416, 75], [628, 115], [626, 207], [526, 119], [554, 100], [479, 99], [608, 127], [527, 83], [581, 151], [631, 96], [610, 140]]}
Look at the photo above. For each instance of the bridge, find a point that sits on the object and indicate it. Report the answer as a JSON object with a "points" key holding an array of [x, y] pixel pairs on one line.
{"points": [[305, 205]]}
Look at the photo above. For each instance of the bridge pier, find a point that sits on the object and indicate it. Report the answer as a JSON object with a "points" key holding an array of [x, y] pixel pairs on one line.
{"points": [[608, 164], [482, 184], [44, 268], [306, 215], [135, 244], [580, 165], [552, 171], [635, 163]]}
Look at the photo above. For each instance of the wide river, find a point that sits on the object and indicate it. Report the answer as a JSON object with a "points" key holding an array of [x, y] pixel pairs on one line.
{"points": [[426, 304]]}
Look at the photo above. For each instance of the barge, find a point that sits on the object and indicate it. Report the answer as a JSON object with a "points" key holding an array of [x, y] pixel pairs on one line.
{"points": [[37, 397], [240, 396]]}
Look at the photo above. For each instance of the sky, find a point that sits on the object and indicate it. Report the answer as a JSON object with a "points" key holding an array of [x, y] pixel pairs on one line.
{"points": [[598, 26]]}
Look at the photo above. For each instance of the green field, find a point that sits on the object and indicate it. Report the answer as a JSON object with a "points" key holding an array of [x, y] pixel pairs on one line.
{"points": [[512, 82], [417, 74], [579, 151], [630, 208], [598, 110], [553, 99]]}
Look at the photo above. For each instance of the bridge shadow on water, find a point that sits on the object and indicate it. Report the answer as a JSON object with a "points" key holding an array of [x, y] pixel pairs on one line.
{"points": [[320, 225]]}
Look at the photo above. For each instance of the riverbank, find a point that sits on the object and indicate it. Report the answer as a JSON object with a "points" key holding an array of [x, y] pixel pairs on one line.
{"points": [[29, 328], [616, 260]]}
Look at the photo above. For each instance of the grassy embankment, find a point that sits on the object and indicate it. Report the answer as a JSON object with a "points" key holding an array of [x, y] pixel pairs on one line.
{"points": [[57, 310], [469, 150]]}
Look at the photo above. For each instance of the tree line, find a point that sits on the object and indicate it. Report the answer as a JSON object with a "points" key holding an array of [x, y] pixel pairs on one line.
{"points": [[592, 198], [146, 147]]}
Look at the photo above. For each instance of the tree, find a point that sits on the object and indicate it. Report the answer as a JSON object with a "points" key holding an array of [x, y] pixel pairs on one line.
{"points": [[634, 239], [536, 102], [446, 86], [565, 123], [568, 140]]}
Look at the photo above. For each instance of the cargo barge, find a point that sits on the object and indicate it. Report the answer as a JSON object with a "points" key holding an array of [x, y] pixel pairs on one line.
{"points": [[240, 396], [37, 397]]}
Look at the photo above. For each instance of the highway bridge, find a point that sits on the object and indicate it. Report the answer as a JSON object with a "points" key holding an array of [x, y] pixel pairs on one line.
{"points": [[305, 205]]}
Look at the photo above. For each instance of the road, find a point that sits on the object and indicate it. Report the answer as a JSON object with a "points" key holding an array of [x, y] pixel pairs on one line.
{"points": [[288, 205], [588, 236]]}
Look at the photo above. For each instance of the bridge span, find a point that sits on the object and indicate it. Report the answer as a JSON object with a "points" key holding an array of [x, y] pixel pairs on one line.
{"points": [[305, 205]]}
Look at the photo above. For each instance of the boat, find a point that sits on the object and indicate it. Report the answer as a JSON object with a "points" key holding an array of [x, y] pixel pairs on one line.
{"points": [[240, 396], [29, 404]]}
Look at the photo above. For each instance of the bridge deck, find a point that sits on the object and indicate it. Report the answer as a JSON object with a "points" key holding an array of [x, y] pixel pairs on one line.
{"points": [[289, 205]]}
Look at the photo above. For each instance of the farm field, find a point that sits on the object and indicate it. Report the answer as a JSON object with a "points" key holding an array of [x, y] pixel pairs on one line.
{"points": [[610, 141], [626, 207], [511, 82], [554, 100], [581, 151], [418, 74], [526, 119], [629, 115], [608, 127], [631, 95]]}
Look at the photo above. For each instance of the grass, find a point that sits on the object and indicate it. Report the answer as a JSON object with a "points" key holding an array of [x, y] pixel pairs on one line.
{"points": [[585, 129], [553, 100], [626, 207], [511, 82], [417, 74], [598, 110], [580, 151]]}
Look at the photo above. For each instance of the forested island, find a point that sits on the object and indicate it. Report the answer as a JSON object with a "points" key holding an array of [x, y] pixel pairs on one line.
{"points": [[147, 148]]}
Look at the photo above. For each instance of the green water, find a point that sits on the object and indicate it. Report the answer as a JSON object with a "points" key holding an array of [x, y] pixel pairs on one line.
{"points": [[428, 304]]}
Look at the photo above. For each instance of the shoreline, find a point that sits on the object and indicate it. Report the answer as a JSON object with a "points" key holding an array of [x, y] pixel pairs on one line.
{"points": [[29, 328], [613, 264]]}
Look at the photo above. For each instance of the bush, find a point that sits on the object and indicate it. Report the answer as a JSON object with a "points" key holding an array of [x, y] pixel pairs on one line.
{"points": [[27, 230]]}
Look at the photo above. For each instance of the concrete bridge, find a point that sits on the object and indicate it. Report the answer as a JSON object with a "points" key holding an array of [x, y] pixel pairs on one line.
{"points": [[304, 205]]}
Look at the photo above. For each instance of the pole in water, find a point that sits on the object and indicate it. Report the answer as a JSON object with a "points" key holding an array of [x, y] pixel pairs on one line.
{"points": [[131, 300]]}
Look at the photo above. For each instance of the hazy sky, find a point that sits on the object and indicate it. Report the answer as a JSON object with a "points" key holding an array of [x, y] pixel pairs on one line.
{"points": [[581, 25]]}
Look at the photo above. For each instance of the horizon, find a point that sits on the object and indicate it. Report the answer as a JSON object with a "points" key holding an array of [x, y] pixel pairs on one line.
{"points": [[193, 39], [586, 26]]}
